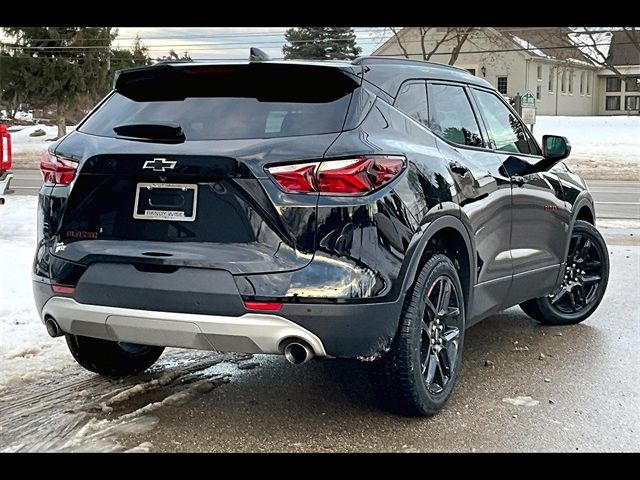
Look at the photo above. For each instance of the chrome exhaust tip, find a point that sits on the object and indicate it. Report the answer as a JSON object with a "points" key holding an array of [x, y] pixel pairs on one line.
{"points": [[53, 329], [298, 352]]}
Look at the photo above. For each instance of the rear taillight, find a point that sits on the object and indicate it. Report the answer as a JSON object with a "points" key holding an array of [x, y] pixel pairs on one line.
{"points": [[57, 170], [5, 149], [351, 176]]}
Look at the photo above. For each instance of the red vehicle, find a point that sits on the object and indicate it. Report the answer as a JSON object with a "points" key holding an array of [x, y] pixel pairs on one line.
{"points": [[5, 162]]}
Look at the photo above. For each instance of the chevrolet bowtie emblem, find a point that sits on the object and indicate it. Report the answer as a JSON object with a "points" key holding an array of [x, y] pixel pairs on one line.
{"points": [[160, 164]]}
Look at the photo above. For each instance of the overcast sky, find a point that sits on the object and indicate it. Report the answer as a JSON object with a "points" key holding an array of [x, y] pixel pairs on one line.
{"points": [[224, 43]]}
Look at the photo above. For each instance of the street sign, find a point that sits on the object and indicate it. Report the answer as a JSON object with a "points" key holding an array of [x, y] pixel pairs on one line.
{"points": [[529, 116], [528, 103], [528, 100]]}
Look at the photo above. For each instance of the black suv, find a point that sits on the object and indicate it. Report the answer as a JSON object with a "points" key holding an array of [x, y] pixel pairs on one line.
{"points": [[371, 209]]}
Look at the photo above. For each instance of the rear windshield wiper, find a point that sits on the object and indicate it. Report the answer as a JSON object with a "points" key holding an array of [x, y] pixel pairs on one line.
{"points": [[151, 131]]}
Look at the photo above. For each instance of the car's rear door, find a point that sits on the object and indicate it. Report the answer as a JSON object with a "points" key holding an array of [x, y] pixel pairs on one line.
{"points": [[483, 191]]}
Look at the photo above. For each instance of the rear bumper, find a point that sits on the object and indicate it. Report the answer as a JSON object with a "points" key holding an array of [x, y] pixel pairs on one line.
{"points": [[249, 333], [5, 181], [347, 329]]}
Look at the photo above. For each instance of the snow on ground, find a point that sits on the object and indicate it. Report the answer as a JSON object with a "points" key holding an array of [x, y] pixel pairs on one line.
{"points": [[603, 148], [614, 137], [27, 150], [26, 351]]}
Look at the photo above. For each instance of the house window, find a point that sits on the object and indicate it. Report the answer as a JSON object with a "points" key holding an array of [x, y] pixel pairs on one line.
{"points": [[589, 83], [539, 72], [582, 83], [552, 74], [632, 103], [538, 92], [502, 85], [613, 103], [563, 85], [632, 84], [570, 75], [613, 84]]}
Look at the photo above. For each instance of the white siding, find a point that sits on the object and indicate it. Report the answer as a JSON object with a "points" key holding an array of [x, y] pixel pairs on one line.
{"points": [[518, 66]]}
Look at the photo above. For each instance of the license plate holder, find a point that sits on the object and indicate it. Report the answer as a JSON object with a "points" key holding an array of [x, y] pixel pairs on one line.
{"points": [[175, 202]]}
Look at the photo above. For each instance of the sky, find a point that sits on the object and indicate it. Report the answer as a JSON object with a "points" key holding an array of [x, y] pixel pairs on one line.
{"points": [[224, 42]]}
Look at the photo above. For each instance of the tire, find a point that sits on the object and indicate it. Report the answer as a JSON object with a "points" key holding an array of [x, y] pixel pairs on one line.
{"points": [[401, 377], [112, 359], [577, 299]]}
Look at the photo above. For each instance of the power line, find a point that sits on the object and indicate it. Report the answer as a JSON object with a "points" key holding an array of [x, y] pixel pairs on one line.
{"points": [[236, 47], [258, 34]]}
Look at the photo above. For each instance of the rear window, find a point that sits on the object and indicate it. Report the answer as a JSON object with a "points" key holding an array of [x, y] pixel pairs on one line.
{"points": [[231, 103]]}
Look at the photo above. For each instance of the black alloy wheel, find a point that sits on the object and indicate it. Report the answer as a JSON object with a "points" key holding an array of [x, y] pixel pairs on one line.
{"points": [[441, 325], [584, 282], [418, 373]]}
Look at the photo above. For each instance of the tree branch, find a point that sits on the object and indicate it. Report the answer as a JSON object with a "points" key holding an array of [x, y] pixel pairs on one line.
{"points": [[444, 38], [461, 36], [397, 38], [599, 58]]}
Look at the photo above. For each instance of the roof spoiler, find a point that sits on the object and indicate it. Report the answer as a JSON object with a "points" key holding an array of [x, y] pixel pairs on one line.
{"points": [[257, 55]]}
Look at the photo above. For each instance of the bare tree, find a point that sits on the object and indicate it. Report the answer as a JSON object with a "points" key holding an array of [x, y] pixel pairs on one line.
{"points": [[457, 35], [594, 45], [396, 37], [461, 34]]}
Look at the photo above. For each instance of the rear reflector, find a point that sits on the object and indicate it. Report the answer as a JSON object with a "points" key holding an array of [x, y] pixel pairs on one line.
{"points": [[351, 176], [263, 306], [5, 149], [57, 170], [63, 289]]}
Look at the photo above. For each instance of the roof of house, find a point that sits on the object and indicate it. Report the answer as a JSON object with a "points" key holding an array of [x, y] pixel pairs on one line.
{"points": [[623, 51], [553, 43], [548, 42]]}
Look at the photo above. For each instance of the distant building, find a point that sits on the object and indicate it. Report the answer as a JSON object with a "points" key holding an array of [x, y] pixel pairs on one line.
{"points": [[620, 97], [542, 60]]}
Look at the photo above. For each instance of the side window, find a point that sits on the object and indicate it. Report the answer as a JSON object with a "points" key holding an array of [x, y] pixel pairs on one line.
{"points": [[508, 133], [451, 115], [412, 101]]}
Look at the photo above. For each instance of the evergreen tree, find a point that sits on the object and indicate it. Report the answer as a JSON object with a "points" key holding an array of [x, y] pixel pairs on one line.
{"points": [[137, 56], [12, 88], [321, 43], [62, 64], [174, 57]]}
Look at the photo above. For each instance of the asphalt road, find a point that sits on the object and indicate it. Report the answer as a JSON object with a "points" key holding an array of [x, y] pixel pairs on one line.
{"points": [[614, 199], [523, 387]]}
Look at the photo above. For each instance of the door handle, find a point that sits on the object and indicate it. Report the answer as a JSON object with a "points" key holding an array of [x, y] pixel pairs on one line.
{"points": [[458, 168], [518, 180]]}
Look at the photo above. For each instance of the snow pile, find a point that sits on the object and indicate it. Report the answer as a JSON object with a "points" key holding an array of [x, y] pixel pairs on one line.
{"points": [[27, 150], [597, 138], [26, 351]]}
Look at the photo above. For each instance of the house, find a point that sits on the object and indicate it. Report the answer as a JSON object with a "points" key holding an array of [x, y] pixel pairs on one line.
{"points": [[542, 60]]}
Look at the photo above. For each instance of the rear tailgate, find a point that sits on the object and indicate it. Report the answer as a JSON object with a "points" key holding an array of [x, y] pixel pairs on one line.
{"points": [[241, 221], [203, 199]]}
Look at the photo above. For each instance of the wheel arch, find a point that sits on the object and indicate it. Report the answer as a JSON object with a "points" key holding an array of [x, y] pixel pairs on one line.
{"points": [[446, 234], [582, 209]]}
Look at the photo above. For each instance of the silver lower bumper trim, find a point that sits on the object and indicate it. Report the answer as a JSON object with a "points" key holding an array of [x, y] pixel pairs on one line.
{"points": [[4, 183], [250, 333]]}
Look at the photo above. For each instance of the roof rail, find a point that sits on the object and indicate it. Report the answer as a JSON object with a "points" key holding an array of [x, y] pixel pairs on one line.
{"points": [[369, 59]]}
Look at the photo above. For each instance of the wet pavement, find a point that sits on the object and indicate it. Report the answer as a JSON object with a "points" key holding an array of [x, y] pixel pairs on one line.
{"points": [[523, 387]]}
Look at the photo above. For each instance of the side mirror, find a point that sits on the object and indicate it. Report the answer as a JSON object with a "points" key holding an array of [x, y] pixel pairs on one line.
{"points": [[555, 148]]}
